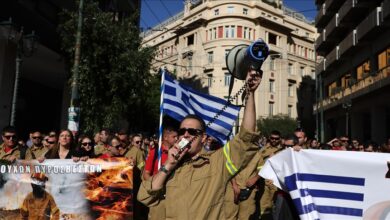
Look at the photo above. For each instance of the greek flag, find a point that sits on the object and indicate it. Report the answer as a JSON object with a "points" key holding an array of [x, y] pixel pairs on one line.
{"points": [[180, 100], [333, 185]]}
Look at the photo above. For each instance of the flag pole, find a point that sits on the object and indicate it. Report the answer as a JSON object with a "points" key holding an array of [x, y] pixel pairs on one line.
{"points": [[161, 116]]}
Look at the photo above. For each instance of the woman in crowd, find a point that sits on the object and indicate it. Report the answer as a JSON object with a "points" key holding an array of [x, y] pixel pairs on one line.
{"points": [[85, 147], [65, 148]]}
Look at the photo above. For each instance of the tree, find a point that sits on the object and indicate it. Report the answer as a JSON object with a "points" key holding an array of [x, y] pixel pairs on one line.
{"points": [[282, 123], [114, 78]]}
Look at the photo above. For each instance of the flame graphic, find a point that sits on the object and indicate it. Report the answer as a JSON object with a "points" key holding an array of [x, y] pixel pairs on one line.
{"points": [[111, 192]]}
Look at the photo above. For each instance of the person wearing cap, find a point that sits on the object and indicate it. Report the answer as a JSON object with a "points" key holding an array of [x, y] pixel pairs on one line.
{"points": [[9, 149], [39, 204], [194, 180]]}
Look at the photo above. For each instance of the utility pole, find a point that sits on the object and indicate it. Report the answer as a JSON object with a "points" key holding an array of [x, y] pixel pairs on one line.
{"points": [[74, 109]]}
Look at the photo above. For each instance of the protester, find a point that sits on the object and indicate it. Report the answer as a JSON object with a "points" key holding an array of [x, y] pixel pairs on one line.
{"points": [[201, 194], [37, 149], [9, 149], [85, 147], [169, 138], [123, 136], [102, 146], [65, 149], [301, 135]]}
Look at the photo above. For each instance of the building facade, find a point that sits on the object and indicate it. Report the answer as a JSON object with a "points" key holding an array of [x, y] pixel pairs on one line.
{"points": [[354, 74], [193, 45]]}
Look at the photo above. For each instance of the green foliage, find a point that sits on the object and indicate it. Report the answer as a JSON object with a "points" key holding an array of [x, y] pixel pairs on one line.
{"points": [[282, 123], [114, 79]]}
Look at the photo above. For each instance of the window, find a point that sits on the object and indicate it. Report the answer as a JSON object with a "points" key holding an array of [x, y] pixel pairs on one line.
{"points": [[210, 57], [289, 111], [313, 73], [214, 33], [384, 59], [272, 64], [227, 30], [245, 11], [228, 77], [271, 109], [272, 39], [363, 70], [290, 90], [232, 31], [190, 40], [290, 69], [216, 12], [302, 71], [230, 9], [271, 86], [245, 32], [209, 80]]}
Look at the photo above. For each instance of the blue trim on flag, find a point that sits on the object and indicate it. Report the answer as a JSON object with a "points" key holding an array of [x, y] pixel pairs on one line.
{"points": [[291, 181], [305, 209], [212, 109], [332, 194], [177, 104]]}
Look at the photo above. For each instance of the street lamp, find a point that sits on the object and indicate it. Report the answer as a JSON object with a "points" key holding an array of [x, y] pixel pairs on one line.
{"points": [[25, 47]]}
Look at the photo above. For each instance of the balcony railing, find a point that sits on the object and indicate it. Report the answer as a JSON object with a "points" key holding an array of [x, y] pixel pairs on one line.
{"points": [[368, 84], [348, 42], [346, 8], [332, 26], [332, 57], [373, 20], [386, 9]]}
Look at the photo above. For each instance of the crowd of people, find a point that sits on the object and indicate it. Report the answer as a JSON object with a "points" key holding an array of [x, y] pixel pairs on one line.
{"points": [[201, 179]]}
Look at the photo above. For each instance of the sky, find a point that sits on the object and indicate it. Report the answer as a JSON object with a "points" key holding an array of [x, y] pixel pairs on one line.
{"points": [[154, 12]]}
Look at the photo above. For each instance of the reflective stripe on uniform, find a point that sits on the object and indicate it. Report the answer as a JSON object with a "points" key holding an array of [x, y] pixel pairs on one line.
{"points": [[229, 164], [259, 167], [141, 165]]}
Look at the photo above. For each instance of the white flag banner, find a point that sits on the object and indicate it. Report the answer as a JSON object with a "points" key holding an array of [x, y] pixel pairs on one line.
{"points": [[332, 185]]}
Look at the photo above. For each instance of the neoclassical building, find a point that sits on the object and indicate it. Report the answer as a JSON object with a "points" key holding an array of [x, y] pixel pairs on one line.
{"points": [[193, 45]]}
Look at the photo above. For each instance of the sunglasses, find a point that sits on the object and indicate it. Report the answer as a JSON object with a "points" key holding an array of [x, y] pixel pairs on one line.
{"points": [[10, 136], [37, 137], [51, 142], [86, 144], [274, 138], [191, 131], [138, 142]]}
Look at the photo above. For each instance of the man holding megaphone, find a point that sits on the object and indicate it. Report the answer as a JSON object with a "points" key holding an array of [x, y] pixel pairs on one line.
{"points": [[194, 180]]}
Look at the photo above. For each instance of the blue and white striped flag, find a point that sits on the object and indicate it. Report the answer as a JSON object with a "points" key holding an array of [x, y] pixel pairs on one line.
{"points": [[180, 100], [333, 185]]}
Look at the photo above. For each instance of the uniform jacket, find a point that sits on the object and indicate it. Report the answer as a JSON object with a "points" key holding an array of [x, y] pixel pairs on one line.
{"points": [[14, 152], [196, 188], [39, 208]]}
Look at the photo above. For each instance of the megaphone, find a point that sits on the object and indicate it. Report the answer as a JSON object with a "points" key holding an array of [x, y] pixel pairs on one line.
{"points": [[243, 58]]}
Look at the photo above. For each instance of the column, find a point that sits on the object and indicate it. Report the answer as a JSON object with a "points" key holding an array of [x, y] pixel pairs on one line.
{"points": [[7, 77], [378, 124]]}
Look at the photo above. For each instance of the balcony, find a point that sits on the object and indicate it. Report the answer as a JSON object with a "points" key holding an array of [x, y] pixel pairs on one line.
{"points": [[386, 10], [351, 12], [322, 17], [323, 45], [334, 29], [348, 43], [321, 67], [370, 26], [333, 5], [359, 88], [332, 57]]}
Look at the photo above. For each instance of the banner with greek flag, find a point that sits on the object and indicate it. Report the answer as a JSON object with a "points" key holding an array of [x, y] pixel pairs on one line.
{"points": [[332, 185], [180, 100]]}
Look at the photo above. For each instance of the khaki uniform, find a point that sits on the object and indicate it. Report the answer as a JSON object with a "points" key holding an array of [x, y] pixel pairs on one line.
{"points": [[244, 209], [267, 189], [157, 212], [100, 149], [35, 152], [14, 152], [137, 156], [195, 190], [39, 208]]}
